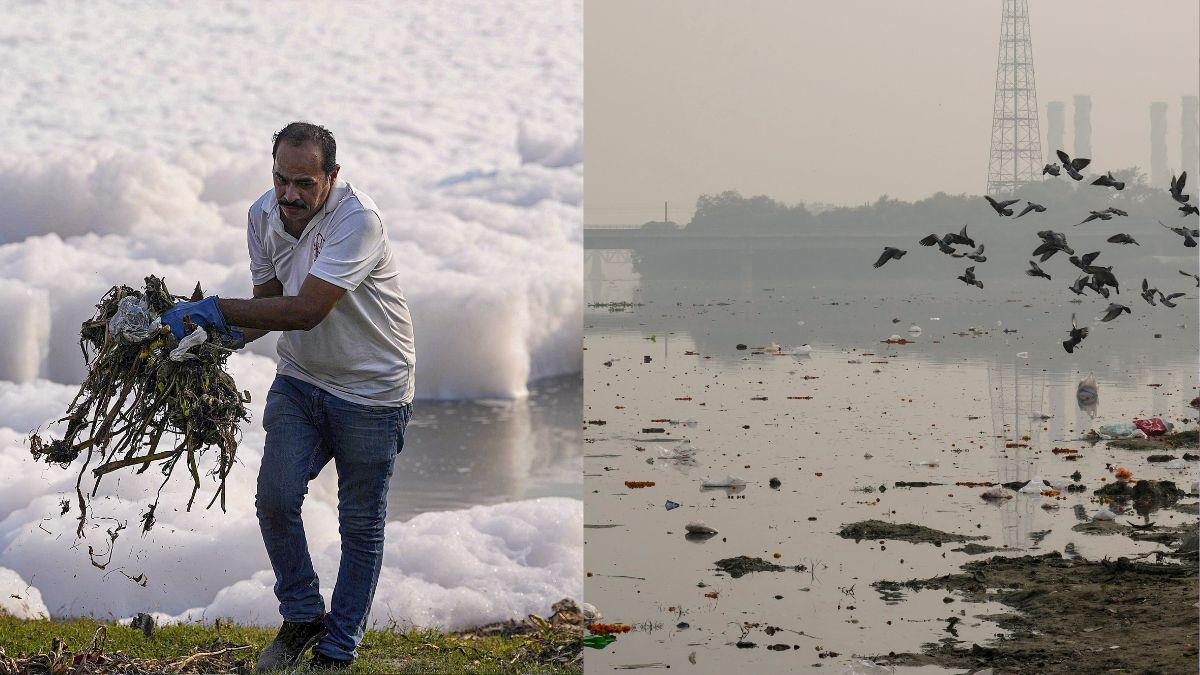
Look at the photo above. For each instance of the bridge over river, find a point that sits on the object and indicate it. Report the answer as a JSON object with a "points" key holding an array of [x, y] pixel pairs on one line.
{"points": [[630, 237]]}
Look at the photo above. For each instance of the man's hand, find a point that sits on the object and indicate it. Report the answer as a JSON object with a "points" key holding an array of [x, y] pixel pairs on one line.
{"points": [[203, 313]]}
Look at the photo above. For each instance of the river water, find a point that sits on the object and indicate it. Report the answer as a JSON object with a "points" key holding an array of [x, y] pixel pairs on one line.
{"points": [[985, 371], [459, 454]]}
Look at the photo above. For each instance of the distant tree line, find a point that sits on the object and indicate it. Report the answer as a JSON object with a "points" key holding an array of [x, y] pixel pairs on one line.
{"points": [[731, 212]]}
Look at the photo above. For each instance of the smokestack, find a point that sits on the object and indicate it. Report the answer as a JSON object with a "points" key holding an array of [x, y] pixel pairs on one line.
{"points": [[1189, 135], [1055, 119], [1158, 144], [1083, 126]]}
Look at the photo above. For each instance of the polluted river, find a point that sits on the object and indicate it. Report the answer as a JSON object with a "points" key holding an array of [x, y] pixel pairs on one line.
{"points": [[858, 419]]}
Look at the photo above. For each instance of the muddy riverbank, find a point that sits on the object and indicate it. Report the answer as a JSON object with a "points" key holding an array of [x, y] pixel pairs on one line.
{"points": [[1070, 615]]}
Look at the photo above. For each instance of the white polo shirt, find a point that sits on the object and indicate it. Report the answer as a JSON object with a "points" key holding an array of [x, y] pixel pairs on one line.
{"points": [[363, 350]]}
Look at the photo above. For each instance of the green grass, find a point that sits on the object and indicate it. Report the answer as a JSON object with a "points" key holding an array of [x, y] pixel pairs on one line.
{"points": [[400, 650]]}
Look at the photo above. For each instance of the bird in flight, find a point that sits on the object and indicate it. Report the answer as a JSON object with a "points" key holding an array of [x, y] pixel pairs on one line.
{"points": [[1035, 271], [1114, 310], [1076, 336], [968, 277], [1194, 276], [943, 244], [1189, 236], [1093, 282], [1108, 180], [1051, 169], [1176, 189], [1032, 207], [1122, 238], [1102, 215], [1085, 262], [1117, 212], [1052, 242], [976, 255], [1001, 207], [1166, 299], [1148, 293], [889, 252], [1072, 166]]}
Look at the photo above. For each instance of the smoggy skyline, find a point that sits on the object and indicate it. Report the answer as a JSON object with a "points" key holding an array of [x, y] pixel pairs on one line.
{"points": [[844, 102]]}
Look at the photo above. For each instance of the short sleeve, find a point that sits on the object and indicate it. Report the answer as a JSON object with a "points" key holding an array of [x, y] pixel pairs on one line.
{"points": [[262, 269], [351, 251]]}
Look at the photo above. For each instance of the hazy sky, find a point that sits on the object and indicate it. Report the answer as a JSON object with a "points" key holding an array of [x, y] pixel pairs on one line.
{"points": [[844, 101]]}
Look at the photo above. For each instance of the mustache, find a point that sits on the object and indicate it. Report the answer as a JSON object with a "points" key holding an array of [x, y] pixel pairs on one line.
{"points": [[296, 204]]}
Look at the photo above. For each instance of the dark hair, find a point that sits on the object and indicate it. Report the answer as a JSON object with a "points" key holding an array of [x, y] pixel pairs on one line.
{"points": [[299, 133]]}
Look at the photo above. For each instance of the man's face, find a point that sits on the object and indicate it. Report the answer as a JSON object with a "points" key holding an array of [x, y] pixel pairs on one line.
{"points": [[301, 188]]}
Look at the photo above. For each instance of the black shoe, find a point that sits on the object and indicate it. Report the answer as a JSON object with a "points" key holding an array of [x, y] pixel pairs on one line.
{"points": [[290, 644], [319, 663]]}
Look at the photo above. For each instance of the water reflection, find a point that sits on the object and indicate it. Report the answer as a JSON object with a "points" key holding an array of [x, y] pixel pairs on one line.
{"points": [[459, 454]]}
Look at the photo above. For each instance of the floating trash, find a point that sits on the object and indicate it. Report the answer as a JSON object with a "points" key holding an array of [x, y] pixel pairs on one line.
{"points": [[1119, 430], [1087, 394], [726, 482], [599, 641], [997, 492], [1034, 486]]}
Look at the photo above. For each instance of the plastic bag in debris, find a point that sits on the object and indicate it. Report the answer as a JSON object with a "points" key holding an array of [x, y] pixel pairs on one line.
{"points": [[197, 338], [1087, 394], [684, 453], [1120, 430], [866, 667], [726, 482], [132, 321], [1034, 486], [1151, 427]]}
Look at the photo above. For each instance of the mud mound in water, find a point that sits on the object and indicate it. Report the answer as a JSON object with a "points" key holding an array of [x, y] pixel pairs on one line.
{"points": [[743, 565], [1146, 495], [917, 534]]}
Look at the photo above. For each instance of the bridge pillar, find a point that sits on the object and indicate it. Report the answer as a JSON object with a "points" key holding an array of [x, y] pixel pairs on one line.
{"points": [[594, 274]]}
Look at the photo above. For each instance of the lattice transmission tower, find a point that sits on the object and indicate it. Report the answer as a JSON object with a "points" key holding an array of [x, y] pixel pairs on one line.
{"points": [[1016, 155]]}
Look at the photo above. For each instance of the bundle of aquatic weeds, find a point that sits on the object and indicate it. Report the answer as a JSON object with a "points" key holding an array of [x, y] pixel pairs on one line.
{"points": [[138, 391]]}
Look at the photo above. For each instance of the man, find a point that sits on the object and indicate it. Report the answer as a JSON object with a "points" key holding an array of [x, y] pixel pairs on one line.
{"points": [[324, 273]]}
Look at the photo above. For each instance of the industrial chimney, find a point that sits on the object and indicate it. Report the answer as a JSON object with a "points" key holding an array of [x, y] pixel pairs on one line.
{"points": [[1189, 135], [1158, 144], [1083, 126], [1055, 119]]}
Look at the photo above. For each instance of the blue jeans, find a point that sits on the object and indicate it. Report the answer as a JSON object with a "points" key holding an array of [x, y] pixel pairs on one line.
{"points": [[306, 427]]}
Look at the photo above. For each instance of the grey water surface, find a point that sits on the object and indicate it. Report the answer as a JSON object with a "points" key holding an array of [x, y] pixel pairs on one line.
{"points": [[986, 370]]}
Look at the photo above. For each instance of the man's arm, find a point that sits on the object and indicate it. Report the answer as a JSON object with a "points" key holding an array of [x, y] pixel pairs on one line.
{"points": [[272, 310], [270, 289]]}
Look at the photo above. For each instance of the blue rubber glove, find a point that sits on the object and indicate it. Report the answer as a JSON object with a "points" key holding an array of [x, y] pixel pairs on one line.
{"points": [[204, 313]]}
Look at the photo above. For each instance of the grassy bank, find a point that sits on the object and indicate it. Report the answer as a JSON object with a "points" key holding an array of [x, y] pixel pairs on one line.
{"points": [[93, 646]]}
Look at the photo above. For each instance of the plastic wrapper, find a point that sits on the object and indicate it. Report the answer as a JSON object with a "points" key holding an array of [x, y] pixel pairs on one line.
{"points": [[1119, 430], [182, 353], [133, 321], [1151, 427]]}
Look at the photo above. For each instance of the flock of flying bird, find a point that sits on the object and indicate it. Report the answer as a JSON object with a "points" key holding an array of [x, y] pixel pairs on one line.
{"points": [[1094, 277]]}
